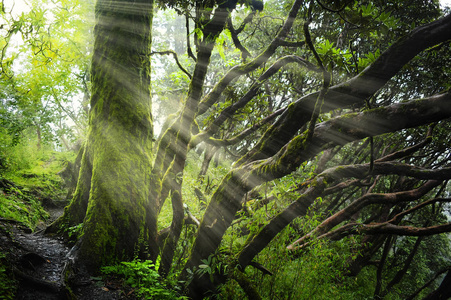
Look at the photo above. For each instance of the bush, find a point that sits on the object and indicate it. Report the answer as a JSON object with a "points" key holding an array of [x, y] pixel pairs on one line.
{"points": [[142, 276]]}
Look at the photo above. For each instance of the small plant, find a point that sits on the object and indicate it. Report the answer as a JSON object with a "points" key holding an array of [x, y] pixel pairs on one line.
{"points": [[143, 278], [74, 231], [210, 266]]}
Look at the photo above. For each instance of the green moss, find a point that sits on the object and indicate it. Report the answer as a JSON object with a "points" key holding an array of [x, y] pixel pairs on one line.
{"points": [[21, 208]]}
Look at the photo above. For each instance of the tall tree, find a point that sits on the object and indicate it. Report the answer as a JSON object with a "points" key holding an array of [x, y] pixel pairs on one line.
{"points": [[342, 100], [111, 199]]}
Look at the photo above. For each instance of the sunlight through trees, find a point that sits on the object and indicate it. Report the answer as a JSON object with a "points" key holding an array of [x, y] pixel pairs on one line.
{"points": [[231, 149]]}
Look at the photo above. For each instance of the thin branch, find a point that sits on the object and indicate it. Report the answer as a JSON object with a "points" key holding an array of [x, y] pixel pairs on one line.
{"points": [[245, 133], [170, 52], [244, 52], [254, 90], [326, 75], [261, 268], [188, 43], [380, 267], [408, 151], [400, 274], [397, 218], [240, 70], [246, 20], [428, 283]]}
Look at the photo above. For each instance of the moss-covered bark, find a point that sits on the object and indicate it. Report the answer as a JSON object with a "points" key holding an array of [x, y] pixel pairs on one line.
{"points": [[353, 91], [112, 197], [174, 144], [74, 213], [226, 200]]}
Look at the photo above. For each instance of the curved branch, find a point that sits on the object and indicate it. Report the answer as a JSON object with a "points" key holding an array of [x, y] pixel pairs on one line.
{"points": [[253, 91], [244, 52], [237, 71], [386, 228], [188, 43], [245, 133], [356, 126], [326, 75], [246, 21], [226, 201], [170, 52], [355, 90], [359, 204]]}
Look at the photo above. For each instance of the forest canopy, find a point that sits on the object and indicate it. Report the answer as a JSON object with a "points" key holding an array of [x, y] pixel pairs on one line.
{"points": [[261, 149]]}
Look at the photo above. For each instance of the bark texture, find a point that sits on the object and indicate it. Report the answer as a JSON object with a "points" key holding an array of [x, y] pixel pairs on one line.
{"points": [[118, 219]]}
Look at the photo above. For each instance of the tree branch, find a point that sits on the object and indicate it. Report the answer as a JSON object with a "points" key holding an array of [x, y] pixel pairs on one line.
{"points": [[359, 204], [387, 228], [245, 133], [188, 43], [237, 71], [170, 52], [244, 52], [355, 90], [226, 201], [254, 90]]}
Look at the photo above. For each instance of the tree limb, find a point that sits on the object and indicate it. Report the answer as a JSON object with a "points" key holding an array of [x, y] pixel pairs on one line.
{"points": [[244, 52], [170, 52], [358, 204], [237, 71], [387, 228], [226, 201], [245, 133], [356, 89], [254, 90]]}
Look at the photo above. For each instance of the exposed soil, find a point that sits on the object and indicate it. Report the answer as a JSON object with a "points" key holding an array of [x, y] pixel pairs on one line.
{"points": [[42, 266]]}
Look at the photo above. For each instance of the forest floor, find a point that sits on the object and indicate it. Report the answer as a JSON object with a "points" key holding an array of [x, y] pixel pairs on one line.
{"points": [[41, 268]]}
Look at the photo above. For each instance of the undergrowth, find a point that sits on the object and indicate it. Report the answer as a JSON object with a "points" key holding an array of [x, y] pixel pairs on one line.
{"points": [[143, 278], [8, 285], [23, 209]]}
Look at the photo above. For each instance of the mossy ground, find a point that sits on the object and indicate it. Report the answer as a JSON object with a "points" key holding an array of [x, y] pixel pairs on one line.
{"points": [[29, 184]]}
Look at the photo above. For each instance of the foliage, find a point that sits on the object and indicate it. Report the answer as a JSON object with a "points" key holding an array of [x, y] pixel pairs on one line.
{"points": [[26, 210], [44, 67], [7, 284], [348, 37], [143, 278], [34, 180]]}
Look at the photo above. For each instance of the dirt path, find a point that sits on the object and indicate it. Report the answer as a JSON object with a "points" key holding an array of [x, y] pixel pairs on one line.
{"points": [[41, 265]]}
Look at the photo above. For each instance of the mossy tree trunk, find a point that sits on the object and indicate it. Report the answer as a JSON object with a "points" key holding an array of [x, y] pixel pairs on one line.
{"points": [[174, 143], [227, 199], [112, 197]]}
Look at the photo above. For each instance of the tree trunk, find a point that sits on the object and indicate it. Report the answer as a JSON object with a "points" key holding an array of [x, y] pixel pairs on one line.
{"points": [[118, 218], [443, 291], [173, 147]]}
